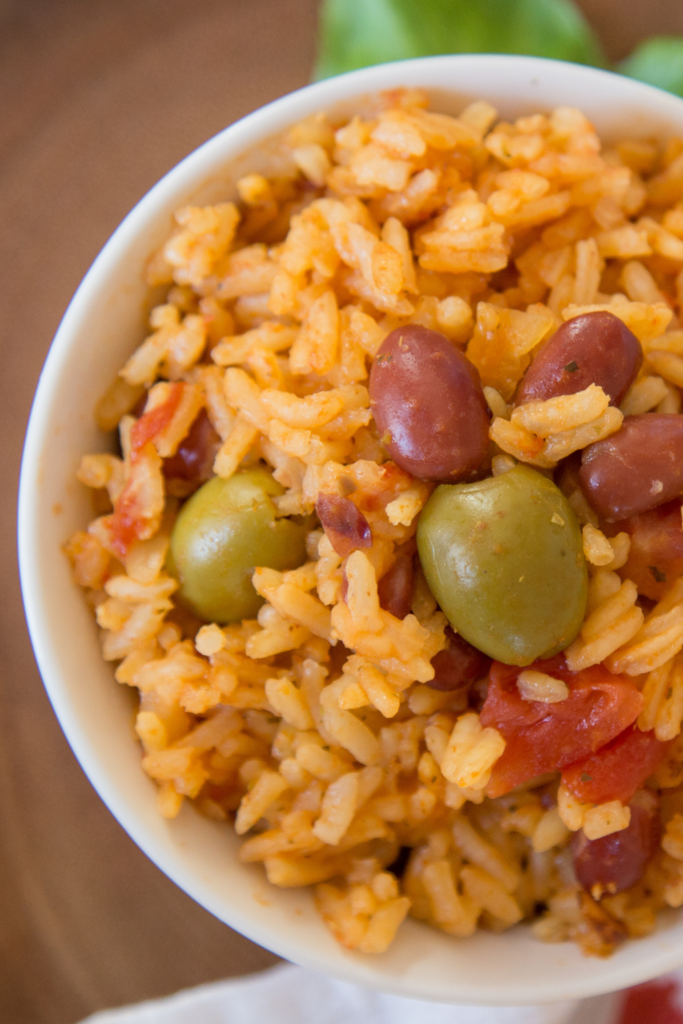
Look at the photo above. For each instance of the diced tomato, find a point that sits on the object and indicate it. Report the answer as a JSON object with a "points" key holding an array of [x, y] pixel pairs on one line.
{"points": [[127, 523], [154, 422], [655, 559], [618, 769], [544, 738], [124, 523]]}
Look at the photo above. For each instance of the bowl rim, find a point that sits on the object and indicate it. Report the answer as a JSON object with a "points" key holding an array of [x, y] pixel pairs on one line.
{"points": [[252, 130]]}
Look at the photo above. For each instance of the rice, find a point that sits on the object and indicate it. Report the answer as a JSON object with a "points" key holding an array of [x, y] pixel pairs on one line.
{"points": [[313, 725]]}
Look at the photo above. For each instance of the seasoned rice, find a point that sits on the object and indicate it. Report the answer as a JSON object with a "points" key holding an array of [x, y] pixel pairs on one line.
{"points": [[312, 727]]}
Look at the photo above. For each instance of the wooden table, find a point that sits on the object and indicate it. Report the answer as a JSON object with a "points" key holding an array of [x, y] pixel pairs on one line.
{"points": [[98, 98]]}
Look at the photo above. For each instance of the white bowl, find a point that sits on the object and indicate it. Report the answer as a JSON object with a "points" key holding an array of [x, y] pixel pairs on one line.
{"points": [[101, 327]]}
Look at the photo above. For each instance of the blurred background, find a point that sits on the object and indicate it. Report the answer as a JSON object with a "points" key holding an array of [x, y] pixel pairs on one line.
{"points": [[98, 99]]}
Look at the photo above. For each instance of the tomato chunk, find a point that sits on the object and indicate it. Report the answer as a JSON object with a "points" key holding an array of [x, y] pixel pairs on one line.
{"points": [[124, 524], [618, 770], [655, 559], [127, 522], [152, 423], [544, 738]]}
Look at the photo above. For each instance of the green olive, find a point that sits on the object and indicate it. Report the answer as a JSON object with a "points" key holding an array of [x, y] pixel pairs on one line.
{"points": [[504, 559], [225, 530]]}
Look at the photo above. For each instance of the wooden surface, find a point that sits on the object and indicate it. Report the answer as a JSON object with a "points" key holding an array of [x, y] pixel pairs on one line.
{"points": [[98, 98]]}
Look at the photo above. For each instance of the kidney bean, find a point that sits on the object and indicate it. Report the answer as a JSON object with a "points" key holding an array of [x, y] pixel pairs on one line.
{"points": [[609, 865], [458, 665], [429, 405], [139, 406], [395, 589], [655, 558], [194, 458], [346, 527], [636, 469], [594, 348]]}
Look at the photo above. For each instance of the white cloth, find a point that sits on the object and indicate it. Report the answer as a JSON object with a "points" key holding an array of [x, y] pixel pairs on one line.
{"points": [[292, 995]]}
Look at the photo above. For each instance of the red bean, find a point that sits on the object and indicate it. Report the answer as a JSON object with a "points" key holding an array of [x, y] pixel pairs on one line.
{"points": [[594, 348], [139, 406], [395, 589], [609, 865], [429, 405], [655, 558], [193, 461], [346, 527], [636, 469], [458, 665]]}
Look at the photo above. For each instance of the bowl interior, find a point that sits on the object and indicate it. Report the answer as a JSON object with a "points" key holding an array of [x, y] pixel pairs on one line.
{"points": [[103, 324]]}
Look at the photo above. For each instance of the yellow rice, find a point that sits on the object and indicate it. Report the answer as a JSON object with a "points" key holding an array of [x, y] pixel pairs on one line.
{"points": [[493, 234]]}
